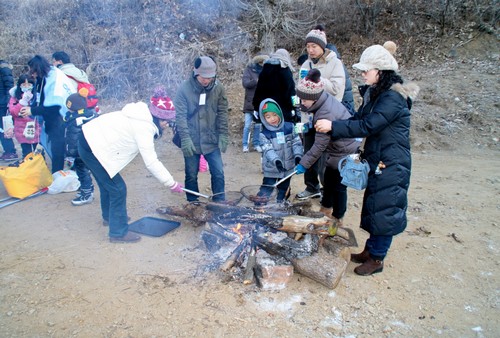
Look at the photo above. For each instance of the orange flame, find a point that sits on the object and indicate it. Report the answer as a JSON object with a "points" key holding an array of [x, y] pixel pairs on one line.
{"points": [[237, 230]]}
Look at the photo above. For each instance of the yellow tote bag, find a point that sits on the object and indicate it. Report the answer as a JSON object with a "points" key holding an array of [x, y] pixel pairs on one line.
{"points": [[30, 176]]}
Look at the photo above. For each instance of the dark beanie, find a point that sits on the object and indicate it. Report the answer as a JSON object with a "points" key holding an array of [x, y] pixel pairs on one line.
{"points": [[76, 102]]}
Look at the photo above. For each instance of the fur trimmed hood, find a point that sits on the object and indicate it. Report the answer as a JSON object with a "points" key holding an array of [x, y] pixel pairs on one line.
{"points": [[5, 64], [260, 59], [408, 90]]}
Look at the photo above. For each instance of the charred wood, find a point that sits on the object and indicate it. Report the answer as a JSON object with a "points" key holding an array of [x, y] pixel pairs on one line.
{"points": [[230, 262]]}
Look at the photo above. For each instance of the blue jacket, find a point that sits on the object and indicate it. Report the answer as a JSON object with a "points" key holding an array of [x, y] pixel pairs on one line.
{"points": [[279, 143]]}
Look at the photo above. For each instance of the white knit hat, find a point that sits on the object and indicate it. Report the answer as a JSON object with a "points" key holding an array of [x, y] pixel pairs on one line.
{"points": [[376, 57]]}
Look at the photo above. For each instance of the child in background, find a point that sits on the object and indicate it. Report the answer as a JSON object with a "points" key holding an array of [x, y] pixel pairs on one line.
{"points": [[76, 116], [281, 147], [26, 129], [161, 105]]}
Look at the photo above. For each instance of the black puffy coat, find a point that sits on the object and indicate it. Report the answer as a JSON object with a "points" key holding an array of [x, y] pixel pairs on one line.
{"points": [[276, 82], [74, 129], [385, 122]]}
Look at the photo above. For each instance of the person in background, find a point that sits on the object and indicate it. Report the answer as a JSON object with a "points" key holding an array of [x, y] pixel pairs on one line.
{"points": [[276, 82], [348, 97], [281, 148], [249, 81], [202, 123], [62, 61], [76, 116], [26, 129], [6, 83], [322, 105], [108, 144], [52, 88], [384, 120], [333, 77], [162, 106]]}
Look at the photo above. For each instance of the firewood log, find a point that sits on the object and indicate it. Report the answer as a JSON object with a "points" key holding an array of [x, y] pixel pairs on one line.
{"points": [[286, 247], [229, 263], [324, 267], [249, 269]]}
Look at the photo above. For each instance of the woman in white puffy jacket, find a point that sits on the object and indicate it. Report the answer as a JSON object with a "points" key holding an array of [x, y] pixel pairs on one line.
{"points": [[110, 142]]}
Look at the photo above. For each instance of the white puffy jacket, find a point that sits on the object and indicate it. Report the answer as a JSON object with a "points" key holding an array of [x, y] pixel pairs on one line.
{"points": [[117, 137]]}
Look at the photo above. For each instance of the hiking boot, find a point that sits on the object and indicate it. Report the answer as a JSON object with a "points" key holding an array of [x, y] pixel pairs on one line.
{"points": [[361, 257], [306, 194], [369, 267], [129, 237], [83, 199], [258, 149], [9, 157], [245, 149]]}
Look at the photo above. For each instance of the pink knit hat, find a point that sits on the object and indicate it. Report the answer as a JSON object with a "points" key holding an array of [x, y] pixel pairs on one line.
{"points": [[161, 106]]}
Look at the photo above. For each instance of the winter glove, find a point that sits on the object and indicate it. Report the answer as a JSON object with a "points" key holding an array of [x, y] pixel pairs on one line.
{"points": [[300, 169], [279, 166], [176, 187], [187, 147], [223, 141], [297, 160]]}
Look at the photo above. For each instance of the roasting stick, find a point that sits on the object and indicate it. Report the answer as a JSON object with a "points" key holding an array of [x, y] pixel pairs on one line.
{"points": [[284, 179]]}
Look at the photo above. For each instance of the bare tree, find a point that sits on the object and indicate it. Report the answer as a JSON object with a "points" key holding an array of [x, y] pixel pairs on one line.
{"points": [[274, 20]]}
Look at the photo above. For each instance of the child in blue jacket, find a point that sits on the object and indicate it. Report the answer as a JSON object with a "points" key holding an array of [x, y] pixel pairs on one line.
{"points": [[281, 147]]}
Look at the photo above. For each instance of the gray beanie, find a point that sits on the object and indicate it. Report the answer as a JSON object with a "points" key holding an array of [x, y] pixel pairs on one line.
{"points": [[205, 67]]}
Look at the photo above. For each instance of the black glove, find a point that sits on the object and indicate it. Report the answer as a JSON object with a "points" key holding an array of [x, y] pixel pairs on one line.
{"points": [[297, 160], [279, 166]]}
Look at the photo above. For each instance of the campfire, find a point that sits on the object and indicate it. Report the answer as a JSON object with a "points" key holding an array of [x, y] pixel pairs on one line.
{"points": [[266, 245]]}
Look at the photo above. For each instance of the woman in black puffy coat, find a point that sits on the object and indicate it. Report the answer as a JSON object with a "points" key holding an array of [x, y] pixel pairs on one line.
{"points": [[276, 82], [384, 120]]}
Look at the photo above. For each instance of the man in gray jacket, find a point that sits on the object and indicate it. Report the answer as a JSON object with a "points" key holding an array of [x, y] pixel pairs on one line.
{"points": [[202, 123]]}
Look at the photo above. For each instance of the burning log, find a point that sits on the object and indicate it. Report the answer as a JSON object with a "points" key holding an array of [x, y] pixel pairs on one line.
{"points": [[276, 219], [249, 269], [195, 212], [286, 247], [269, 230], [229, 263]]}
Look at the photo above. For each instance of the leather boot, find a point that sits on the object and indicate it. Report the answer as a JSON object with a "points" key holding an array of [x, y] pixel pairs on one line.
{"points": [[369, 267], [361, 257]]}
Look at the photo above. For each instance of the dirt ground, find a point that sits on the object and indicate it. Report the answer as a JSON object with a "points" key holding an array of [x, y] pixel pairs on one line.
{"points": [[60, 276]]}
